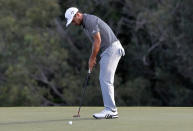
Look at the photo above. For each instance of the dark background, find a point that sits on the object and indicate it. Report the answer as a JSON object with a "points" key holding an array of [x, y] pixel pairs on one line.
{"points": [[44, 64]]}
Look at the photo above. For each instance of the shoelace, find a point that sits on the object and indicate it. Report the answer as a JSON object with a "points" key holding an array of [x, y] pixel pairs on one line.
{"points": [[103, 111]]}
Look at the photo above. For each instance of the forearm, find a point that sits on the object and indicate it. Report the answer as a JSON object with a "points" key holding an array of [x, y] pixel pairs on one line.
{"points": [[95, 49]]}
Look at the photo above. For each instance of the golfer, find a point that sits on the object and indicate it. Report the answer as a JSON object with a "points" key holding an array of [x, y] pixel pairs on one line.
{"points": [[104, 40]]}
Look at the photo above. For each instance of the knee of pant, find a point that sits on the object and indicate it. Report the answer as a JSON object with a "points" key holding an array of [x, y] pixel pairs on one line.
{"points": [[104, 81]]}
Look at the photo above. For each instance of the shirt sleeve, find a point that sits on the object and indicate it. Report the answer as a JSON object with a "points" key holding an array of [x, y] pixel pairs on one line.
{"points": [[95, 27]]}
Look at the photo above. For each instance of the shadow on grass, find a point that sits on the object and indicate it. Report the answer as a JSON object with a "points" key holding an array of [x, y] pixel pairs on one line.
{"points": [[45, 121]]}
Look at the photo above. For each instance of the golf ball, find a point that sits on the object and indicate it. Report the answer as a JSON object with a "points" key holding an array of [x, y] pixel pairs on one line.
{"points": [[70, 122]]}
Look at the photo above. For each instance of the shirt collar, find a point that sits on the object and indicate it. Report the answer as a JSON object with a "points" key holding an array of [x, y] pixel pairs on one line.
{"points": [[84, 20]]}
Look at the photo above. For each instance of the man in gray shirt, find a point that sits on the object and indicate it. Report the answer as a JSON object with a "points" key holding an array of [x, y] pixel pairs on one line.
{"points": [[103, 40]]}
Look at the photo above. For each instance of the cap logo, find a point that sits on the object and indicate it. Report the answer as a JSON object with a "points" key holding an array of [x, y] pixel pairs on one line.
{"points": [[72, 12]]}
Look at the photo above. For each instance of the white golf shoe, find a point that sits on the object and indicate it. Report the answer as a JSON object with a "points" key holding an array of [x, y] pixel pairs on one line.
{"points": [[106, 114]]}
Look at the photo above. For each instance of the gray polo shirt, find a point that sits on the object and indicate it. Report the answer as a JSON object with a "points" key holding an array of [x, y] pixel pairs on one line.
{"points": [[93, 24]]}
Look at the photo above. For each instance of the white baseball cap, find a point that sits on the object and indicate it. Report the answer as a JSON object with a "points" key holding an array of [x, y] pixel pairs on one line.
{"points": [[70, 12]]}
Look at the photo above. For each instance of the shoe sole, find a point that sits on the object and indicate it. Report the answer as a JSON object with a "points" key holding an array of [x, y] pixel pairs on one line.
{"points": [[107, 117]]}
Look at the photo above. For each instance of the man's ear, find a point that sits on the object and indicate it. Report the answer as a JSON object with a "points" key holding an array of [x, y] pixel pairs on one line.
{"points": [[77, 14]]}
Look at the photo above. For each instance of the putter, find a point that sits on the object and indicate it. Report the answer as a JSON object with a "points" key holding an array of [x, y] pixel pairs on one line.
{"points": [[83, 92]]}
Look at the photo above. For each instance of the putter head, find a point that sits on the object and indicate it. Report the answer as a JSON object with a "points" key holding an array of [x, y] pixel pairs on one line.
{"points": [[75, 116]]}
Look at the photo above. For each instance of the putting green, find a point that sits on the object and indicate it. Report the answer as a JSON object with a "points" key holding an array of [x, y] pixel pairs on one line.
{"points": [[130, 119]]}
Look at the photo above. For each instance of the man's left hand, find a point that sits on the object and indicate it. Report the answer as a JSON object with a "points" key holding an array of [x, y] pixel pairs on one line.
{"points": [[91, 63]]}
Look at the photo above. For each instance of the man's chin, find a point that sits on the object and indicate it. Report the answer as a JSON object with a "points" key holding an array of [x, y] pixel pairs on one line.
{"points": [[76, 24]]}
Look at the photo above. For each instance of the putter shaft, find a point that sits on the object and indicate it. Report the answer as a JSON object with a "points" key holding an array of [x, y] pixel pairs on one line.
{"points": [[83, 92]]}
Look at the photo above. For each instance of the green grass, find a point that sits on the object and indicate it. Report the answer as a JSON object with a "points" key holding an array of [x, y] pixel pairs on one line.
{"points": [[131, 119]]}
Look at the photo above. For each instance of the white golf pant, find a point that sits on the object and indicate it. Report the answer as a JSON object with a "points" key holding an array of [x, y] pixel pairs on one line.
{"points": [[108, 64]]}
